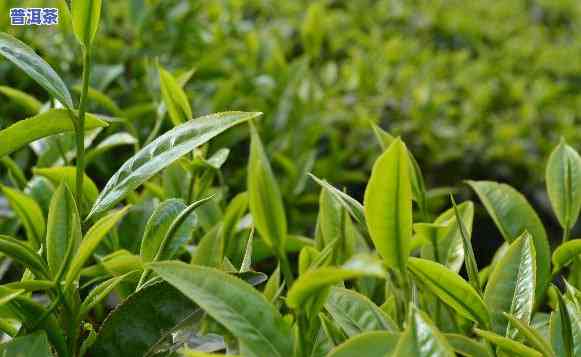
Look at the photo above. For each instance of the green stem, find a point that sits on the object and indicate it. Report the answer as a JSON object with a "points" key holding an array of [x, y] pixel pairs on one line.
{"points": [[565, 234], [80, 132], [286, 269]]}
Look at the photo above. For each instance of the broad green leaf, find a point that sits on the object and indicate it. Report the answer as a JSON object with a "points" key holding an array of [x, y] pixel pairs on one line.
{"points": [[117, 263], [91, 241], [174, 97], [23, 254], [355, 313], [310, 290], [513, 216], [331, 218], [421, 338], [53, 121], [467, 346], [334, 334], [144, 320], [158, 225], [163, 151], [209, 251], [273, 285], [565, 327], [31, 285], [563, 178], [259, 328], [86, 15], [101, 291], [35, 344], [63, 234], [28, 102], [29, 213], [373, 343], [451, 289], [67, 174], [293, 244], [111, 142], [566, 253], [264, 197], [510, 346], [234, 212], [27, 60], [534, 338], [511, 286], [388, 205], [352, 206]]}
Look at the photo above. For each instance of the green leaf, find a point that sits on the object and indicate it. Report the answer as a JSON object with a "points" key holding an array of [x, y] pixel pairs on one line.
{"points": [[35, 344], [163, 151], [511, 286], [355, 313], [563, 178], [101, 291], [470, 259], [508, 345], [67, 174], [534, 337], [53, 121], [29, 213], [143, 320], [91, 241], [63, 235], [566, 253], [27, 60], [111, 142], [245, 312], [15, 173], [451, 289], [191, 353], [174, 97], [352, 206], [209, 250], [467, 346], [388, 205], [86, 15], [310, 290], [28, 102], [158, 225], [372, 343], [513, 216], [565, 327], [23, 254], [421, 338], [264, 197]]}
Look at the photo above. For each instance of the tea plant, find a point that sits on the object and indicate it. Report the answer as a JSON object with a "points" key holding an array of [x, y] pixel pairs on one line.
{"points": [[165, 260]]}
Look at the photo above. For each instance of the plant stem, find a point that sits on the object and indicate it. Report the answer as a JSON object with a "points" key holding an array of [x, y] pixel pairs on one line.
{"points": [[80, 132], [565, 234], [286, 269]]}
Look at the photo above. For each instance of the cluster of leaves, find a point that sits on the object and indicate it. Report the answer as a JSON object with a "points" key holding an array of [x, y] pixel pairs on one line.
{"points": [[165, 260]]}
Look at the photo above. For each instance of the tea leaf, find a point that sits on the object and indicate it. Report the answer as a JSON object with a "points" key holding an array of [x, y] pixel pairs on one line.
{"points": [[67, 174], [164, 150], [373, 343], [27, 60], [355, 313], [563, 178], [63, 234], [264, 197], [534, 338], [29, 213], [511, 286], [566, 253], [86, 15], [421, 338], [175, 98], [158, 225], [53, 121], [28, 102], [245, 312], [467, 346], [35, 344], [451, 289], [111, 142], [508, 345], [23, 254], [513, 215], [388, 205]]}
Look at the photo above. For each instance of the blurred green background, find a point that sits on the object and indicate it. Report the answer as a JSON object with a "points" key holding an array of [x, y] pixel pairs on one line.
{"points": [[477, 89]]}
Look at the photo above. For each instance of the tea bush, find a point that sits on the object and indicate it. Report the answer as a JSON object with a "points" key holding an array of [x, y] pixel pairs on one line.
{"points": [[124, 232]]}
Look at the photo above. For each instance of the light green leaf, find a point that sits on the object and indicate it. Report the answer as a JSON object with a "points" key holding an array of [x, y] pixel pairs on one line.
{"points": [[510, 346], [29, 213], [53, 121], [563, 178], [27, 60], [67, 174], [451, 289], [91, 241], [101, 291], [28, 102], [174, 97], [264, 197], [245, 312], [35, 344], [355, 313], [23, 254], [86, 15], [467, 346], [63, 235], [163, 151], [534, 338], [158, 225], [421, 338], [374, 343], [511, 286], [388, 205], [513, 216], [566, 253], [111, 142]]}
